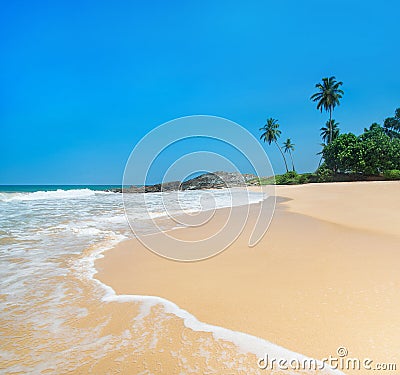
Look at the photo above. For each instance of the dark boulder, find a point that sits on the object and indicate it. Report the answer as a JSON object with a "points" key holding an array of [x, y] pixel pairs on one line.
{"points": [[215, 180]]}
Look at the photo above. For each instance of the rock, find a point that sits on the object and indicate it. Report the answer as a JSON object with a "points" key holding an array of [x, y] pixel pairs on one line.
{"points": [[215, 180]]}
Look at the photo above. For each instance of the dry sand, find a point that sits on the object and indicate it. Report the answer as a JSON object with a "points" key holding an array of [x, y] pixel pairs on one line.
{"points": [[325, 275]]}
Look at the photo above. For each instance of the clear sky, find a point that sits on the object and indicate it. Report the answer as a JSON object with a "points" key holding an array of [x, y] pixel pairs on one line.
{"points": [[83, 81]]}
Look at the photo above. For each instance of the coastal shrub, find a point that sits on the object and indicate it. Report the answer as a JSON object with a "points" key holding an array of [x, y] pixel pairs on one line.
{"points": [[393, 174], [324, 173], [303, 178], [290, 174], [292, 178], [395, 153], [344, 154], [263, 181], [280, 179], [286, 179], [370, 154], [378, 151]]}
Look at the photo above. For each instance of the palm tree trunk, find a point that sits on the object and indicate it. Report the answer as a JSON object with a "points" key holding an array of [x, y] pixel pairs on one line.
{"points": [[291, 157], [284, 159], [330, 125], [320, 161]]}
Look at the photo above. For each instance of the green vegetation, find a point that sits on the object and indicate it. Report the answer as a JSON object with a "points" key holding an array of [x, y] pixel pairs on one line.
{"points": [[289, 178], [392, 125], [271, 133], [373, 155], [288, 146], [393, 174], [331, 126], [328, 97], [324, 174]]}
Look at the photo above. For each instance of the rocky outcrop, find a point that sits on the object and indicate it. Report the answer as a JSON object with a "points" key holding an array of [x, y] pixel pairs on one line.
{"points": [[215, 180], [166, 186]]}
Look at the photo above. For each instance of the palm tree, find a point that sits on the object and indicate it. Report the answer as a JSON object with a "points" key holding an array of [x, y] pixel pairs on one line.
{"points": [[330, 131], [323, 145], [328, 96], [288, 146], [271, 133], [391, 126]]}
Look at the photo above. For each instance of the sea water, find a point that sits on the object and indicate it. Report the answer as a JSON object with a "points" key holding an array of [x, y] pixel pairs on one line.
{"points": [[50, 237]]}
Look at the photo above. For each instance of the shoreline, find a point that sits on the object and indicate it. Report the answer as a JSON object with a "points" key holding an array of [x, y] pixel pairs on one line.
{"points": [[280, 322]]}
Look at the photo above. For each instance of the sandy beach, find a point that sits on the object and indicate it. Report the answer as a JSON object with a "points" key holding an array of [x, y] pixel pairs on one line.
{"points": [[200, 187], [324, 276]]}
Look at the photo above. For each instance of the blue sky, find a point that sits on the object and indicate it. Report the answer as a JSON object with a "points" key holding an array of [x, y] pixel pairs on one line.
{"points": [[83, 82]]}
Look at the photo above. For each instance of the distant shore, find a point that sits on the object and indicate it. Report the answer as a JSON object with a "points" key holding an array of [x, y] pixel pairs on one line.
{"points": [[220, 180], [325, 275]]}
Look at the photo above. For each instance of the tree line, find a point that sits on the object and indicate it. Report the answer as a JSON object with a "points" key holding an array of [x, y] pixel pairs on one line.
{"points": [[374, 152]]}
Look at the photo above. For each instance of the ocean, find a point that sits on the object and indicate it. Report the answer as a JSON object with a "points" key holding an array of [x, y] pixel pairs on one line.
{"points": [[56, 317], [50, 237]]}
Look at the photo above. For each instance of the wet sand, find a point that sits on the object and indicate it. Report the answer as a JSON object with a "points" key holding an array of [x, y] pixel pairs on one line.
{"points": [[325, 275]]}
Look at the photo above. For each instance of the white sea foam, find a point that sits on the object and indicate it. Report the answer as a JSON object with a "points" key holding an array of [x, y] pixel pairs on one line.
{"points": [[246, 343], [52, 194], [96, 220]]}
